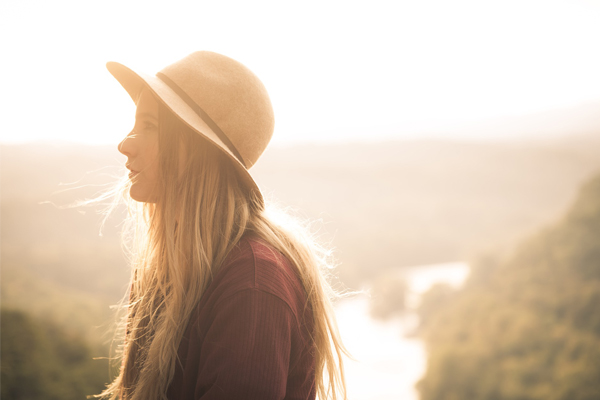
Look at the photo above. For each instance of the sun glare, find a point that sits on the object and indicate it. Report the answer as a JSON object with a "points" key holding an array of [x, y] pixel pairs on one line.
{"points": [[350, 71]]}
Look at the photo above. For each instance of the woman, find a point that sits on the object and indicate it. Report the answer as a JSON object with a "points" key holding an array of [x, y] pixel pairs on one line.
{"points": [[224, 303]]}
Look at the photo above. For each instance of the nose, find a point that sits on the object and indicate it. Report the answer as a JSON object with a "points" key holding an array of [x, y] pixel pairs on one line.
{"points": [[127, 147]]}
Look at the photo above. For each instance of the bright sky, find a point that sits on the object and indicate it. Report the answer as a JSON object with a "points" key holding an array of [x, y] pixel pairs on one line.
{"points": [[335, 70]]}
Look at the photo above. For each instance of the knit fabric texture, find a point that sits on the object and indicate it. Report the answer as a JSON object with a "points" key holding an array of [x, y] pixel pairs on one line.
{"points": [[250, 335]]}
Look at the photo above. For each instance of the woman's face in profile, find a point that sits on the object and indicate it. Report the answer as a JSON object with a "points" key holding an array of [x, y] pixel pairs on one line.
{"points": [[141, 148]]}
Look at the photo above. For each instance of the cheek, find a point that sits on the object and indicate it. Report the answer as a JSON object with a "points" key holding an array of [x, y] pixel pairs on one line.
{"points": [[153, 160]]}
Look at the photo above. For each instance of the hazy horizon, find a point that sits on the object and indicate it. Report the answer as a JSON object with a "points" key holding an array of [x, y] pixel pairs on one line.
{"points": [[556, 123], [386, 70]]}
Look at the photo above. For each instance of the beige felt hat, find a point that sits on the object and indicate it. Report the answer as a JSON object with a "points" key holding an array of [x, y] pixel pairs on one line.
{"points": [[217, 97]]}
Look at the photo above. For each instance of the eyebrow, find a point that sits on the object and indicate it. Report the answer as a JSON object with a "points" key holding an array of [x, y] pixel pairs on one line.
{"points": [[145, 115]]}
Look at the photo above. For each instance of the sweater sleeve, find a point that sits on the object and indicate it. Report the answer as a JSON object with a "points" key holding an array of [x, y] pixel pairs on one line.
{"points": [[246, 352]]}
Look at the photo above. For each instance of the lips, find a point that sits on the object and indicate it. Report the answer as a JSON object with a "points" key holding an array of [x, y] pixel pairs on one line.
{"points": [[132, 172]]}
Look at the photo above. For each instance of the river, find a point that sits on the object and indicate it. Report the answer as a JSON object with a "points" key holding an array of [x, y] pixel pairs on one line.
{"points": [[388, 363]]}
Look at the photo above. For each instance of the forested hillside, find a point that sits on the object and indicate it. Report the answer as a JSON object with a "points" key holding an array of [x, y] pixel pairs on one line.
{"points": [[524, 328], [383, 205], [42, 361]]}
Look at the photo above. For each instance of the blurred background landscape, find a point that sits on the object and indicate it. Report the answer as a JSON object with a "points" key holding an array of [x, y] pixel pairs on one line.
{"points": [[449, 152], [524, 325]]}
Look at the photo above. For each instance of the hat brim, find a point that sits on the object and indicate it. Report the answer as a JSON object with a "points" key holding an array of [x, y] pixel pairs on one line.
{"points": [[133, 82]]}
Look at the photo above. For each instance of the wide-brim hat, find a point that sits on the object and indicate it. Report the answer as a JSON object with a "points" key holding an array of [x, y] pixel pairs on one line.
{"points": [[217, 97]]}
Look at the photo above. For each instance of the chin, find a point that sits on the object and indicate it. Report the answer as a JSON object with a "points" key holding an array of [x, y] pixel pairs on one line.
{"points": [[141, 195]]}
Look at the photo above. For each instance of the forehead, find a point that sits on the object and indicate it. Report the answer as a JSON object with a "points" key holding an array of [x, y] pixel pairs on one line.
{"points": [[147, 103]]}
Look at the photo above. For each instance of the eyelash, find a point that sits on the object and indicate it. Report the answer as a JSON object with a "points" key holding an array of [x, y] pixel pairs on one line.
{"points": [[147, 125]]}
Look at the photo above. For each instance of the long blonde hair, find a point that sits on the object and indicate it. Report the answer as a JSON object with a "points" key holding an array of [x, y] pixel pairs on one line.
{"points": [[180, 241]]}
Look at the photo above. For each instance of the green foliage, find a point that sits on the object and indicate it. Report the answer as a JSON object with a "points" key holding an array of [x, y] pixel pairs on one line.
{"points": [[525, 328], [42, 361], [389, 204]]}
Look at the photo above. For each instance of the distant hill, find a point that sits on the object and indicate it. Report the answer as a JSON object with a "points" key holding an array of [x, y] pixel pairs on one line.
{"points": [[419, 202], [382, 205], [527, 327]]}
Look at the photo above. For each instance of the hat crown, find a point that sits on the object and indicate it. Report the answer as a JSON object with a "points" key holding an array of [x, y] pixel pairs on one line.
{"points": [[231, 95]]}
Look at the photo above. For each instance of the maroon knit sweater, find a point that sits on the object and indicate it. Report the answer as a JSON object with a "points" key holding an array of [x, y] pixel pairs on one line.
{"points": [[249, 337]]}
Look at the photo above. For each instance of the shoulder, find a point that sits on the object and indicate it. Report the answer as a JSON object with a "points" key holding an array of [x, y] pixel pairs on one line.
{"points": [[254, 264]]}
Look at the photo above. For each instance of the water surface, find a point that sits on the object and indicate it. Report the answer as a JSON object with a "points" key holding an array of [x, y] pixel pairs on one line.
{"points": [[389, 362]]}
